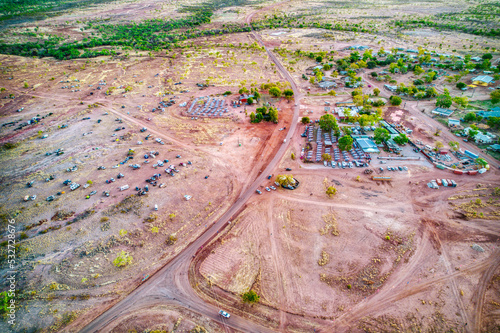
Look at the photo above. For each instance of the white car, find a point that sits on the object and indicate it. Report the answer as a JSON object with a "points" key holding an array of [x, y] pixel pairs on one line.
{"points": [[272, 188], [224, 314], [268, 189]]}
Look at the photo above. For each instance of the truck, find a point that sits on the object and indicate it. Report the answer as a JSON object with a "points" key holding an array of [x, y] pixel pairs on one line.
{"points": [[124, 187]]}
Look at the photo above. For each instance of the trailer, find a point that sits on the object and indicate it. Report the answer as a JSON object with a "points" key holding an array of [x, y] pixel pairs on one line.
{"points": [[440, 166], [472, 172], [124, 187], [445, 183], [453, 183], [458, 172], [434, 184], [438, 181], [381, 178], [471, 154]]}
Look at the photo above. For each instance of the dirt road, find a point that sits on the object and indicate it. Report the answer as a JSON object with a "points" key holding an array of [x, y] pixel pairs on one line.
{"points": [[171, 285]]}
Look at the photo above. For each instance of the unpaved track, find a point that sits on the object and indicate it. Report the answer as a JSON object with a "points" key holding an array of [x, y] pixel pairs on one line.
{"points": [[480, 292], [171, 285]]}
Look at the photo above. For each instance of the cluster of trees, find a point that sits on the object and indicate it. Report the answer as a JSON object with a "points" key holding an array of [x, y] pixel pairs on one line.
{"points": [[153, 35], [264, 113], [418, 23]]}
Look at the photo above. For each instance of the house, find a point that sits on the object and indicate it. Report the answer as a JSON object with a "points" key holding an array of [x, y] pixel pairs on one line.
{"points": [[495, 147], [476, 59], [412, 51], [453, 122], [482, 80], [488, 114], [442, 112], [346, 112], [481, 137], [327, 85]]}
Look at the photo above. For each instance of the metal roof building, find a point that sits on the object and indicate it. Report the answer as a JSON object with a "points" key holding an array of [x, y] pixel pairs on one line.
{"points": [[483, 80], [366, 144], [488, 114], [442, 112]]}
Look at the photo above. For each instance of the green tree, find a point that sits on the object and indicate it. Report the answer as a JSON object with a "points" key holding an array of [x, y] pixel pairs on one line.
{"points": [[481, 162], [395, 100], [495, 96], [418, 70], [472, 134], [493, 122], [461, 85], [470, 117], [401, 139], [319, 59], [275, 92], [345, 142], [273, 115], [461, 101], [444, 101], [327, 122], [376, 91], [288, 93], [305, 120], [380, 135], [252, 117], [438, 145], [331, 191], [250, 100], [454, 145], [250, 297], [122, 259]]}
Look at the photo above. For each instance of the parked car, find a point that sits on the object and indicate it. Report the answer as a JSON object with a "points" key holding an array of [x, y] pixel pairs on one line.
{"points": [[258, 191], [288, 169], [224, 314], [269, 177], [272, 188], [268, 189]]}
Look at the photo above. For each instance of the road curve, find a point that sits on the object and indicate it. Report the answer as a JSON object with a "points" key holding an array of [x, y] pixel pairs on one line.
{"points": [[170, 285]]}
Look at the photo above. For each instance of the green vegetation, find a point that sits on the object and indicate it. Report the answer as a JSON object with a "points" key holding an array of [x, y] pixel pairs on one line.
{"points": [[331, 191], [250, 297], [305, 120], [5, 299], [345, 142], [328, 122], [380, 135], [401, 139], [264, 113], [123, 259], [395, 100]]}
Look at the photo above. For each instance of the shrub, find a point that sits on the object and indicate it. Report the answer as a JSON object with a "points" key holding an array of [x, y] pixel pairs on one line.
{"points": [[123, 259], [250, 297], [104, 219], [23, 235], [349, 286]]}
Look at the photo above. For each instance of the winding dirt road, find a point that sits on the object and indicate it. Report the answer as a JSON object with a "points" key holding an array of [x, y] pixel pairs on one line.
{"points": [[170, 285]]}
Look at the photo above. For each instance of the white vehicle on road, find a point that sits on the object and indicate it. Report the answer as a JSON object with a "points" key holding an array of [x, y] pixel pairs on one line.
{"points": [[224, 314]]}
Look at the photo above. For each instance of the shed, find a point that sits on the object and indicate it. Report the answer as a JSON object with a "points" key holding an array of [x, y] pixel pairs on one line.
{"points": [[453, 122]]}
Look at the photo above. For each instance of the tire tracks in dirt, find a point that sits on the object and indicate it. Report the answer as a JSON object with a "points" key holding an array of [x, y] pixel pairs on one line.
{"points": [[480, 292]]}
